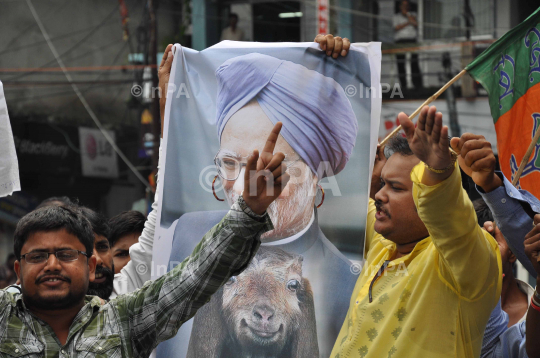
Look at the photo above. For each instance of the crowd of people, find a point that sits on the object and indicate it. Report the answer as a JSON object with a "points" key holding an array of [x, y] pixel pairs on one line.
{"points": [[113, 239], [437, 279]]}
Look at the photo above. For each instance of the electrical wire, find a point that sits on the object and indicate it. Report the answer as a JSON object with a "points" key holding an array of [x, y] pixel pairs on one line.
{"points": [[80, 42], [83, 99], [42, 42]]}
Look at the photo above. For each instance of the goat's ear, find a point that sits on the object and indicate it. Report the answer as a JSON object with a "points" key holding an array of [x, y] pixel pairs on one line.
{"points": [[209, 330], [305, 343]]}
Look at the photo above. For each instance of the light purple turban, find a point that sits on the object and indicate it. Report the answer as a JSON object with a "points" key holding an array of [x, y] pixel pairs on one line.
{"points": [[318, 120]]}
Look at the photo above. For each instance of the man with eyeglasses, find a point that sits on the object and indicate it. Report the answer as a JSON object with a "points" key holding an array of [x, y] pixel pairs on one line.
{"points": [[103, 286], [53, 317]]}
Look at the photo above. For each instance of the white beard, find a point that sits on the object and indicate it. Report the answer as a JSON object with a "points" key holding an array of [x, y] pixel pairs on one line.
{"points": [[289, 215]]}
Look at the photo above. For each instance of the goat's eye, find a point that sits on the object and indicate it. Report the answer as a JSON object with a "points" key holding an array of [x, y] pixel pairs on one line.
{"points": [[232, 280], [293, 285]]}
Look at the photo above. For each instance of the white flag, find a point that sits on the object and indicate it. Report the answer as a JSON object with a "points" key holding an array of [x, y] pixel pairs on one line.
{"points": [[9, 167]]}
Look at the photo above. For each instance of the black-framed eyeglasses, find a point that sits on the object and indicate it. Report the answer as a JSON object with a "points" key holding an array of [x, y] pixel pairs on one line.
{"points": [[39, 257], [229, 166]]}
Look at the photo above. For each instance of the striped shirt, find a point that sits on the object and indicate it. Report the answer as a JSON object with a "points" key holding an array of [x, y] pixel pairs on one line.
{"points": [[132, 325]]}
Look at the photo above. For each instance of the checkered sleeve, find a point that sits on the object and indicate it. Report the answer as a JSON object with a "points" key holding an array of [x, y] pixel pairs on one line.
{"points": [[155, 312]]}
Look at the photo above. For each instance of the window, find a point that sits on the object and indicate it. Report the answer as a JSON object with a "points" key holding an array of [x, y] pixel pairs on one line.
{"points": [[446, 19]]}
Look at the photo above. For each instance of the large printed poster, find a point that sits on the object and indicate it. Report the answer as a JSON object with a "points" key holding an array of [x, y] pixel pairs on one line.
{"points": [[223, 102]]}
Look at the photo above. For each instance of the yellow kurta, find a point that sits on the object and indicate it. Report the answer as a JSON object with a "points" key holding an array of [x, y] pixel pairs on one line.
{"points": [[435, 301]]}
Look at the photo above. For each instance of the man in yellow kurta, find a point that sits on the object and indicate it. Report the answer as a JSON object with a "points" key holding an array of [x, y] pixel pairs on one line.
{"points": [[431, 276]]}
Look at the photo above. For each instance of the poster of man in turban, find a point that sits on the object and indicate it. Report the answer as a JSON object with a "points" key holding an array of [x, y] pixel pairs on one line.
{"points": [[222, 103]]}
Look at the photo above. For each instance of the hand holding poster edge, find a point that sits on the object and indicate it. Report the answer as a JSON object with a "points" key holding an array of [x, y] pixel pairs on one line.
{"points": [[265, 176]]}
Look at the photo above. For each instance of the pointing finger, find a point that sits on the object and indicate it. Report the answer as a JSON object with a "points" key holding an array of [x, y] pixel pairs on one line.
{"points": [[272, 139]]}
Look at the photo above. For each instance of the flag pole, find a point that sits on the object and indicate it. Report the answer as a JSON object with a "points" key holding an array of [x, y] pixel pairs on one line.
{"points": [[428, 101], [526, 157]]}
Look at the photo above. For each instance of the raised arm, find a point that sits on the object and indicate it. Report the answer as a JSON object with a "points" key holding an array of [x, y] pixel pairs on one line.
{"points": [[447, 211], [156, 312], [512, 208], [138, 270], [164, 74]]}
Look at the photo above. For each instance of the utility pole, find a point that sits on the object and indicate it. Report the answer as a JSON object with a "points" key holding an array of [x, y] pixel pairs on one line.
{"points": [[469, 19], [455, 130], [156, 119]]}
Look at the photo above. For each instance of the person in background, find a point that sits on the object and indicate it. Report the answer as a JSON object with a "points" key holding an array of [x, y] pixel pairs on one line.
{"points": [[512, 210], [406, 31], [515, 294], [532, 249], [102, 286], [135, 273], [126, 228], [7, 272], [232, 32]]}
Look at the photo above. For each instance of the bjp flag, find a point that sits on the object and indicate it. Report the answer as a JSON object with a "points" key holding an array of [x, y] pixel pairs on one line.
{"points": [[509, 70]]}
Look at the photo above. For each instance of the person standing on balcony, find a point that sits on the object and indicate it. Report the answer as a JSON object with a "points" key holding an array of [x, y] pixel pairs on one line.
{"points": [[406, 31], [232, 32]]}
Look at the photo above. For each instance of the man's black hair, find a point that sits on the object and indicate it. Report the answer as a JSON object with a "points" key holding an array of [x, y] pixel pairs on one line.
{"points": [[125, 223], [233, 15], [483, 212], [399, 145], [64, 200], [99, 222], [54, 218]]}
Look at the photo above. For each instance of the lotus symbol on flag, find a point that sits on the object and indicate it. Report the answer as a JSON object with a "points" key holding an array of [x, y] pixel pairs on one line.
{"points": [[534, 164], [506, 82], [535, 52]]}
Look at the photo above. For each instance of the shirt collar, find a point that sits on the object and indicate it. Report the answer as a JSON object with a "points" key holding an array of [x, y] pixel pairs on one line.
{"points": [[418, 248]]}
